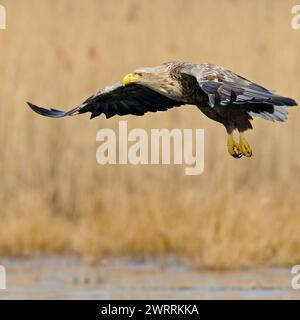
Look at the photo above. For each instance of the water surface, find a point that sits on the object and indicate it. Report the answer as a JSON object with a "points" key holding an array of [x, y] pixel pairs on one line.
{"points": [[67, 277]]}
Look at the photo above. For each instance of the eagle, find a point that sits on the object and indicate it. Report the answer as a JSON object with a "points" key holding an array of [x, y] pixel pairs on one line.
{"points": [[219, 93]]}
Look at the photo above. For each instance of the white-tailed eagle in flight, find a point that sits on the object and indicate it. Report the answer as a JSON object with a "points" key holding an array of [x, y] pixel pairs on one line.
{"points": [[219, 93]]}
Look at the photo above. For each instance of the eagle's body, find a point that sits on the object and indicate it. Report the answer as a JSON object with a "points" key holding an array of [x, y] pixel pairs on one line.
{"points": [[219, 93]]}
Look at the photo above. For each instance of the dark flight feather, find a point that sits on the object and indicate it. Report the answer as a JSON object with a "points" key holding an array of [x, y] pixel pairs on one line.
{"points": [[132, 99]]}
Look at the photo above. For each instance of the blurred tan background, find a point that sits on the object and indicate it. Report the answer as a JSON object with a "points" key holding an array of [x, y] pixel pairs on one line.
{"points": [[54, 196]]}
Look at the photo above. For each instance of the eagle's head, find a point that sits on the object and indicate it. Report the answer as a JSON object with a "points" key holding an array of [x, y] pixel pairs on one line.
{"points": [[157, 78]]}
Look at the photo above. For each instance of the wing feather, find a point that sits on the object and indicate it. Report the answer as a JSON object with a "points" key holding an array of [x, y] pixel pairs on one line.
{"points": [[225, 88], [120, 100]]}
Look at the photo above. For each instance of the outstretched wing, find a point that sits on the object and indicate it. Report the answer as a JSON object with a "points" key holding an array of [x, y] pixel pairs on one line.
{"points": [[225, 88], [117, 99]]}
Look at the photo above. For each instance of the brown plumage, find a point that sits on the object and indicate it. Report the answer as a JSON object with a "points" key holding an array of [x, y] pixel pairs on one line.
{"points": [[219, 93]]}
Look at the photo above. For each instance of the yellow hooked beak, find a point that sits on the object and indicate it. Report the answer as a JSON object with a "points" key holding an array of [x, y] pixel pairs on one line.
{"points": [[130, 77]]}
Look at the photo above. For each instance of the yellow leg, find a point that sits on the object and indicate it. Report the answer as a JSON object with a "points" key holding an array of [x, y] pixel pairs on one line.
{"points": [[233, 147], [244, 146]]}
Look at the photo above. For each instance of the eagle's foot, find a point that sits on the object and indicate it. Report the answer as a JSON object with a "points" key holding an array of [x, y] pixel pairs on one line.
{"points": [[244, 147], [233, 147]]}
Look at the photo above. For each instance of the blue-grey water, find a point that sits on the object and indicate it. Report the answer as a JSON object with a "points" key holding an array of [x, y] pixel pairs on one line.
{"points": [[64, 277]]}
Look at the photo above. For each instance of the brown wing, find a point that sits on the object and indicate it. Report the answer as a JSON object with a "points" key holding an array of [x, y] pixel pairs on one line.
{"points": [[117, 100], [224, 87]]}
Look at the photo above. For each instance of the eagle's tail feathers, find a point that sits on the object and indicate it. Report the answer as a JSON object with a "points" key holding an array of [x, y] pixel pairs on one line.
{"points": [[279, 114]]}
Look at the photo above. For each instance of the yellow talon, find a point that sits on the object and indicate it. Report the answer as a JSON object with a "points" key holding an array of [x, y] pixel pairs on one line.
{"points": [[244, 146], [233, 147]]}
